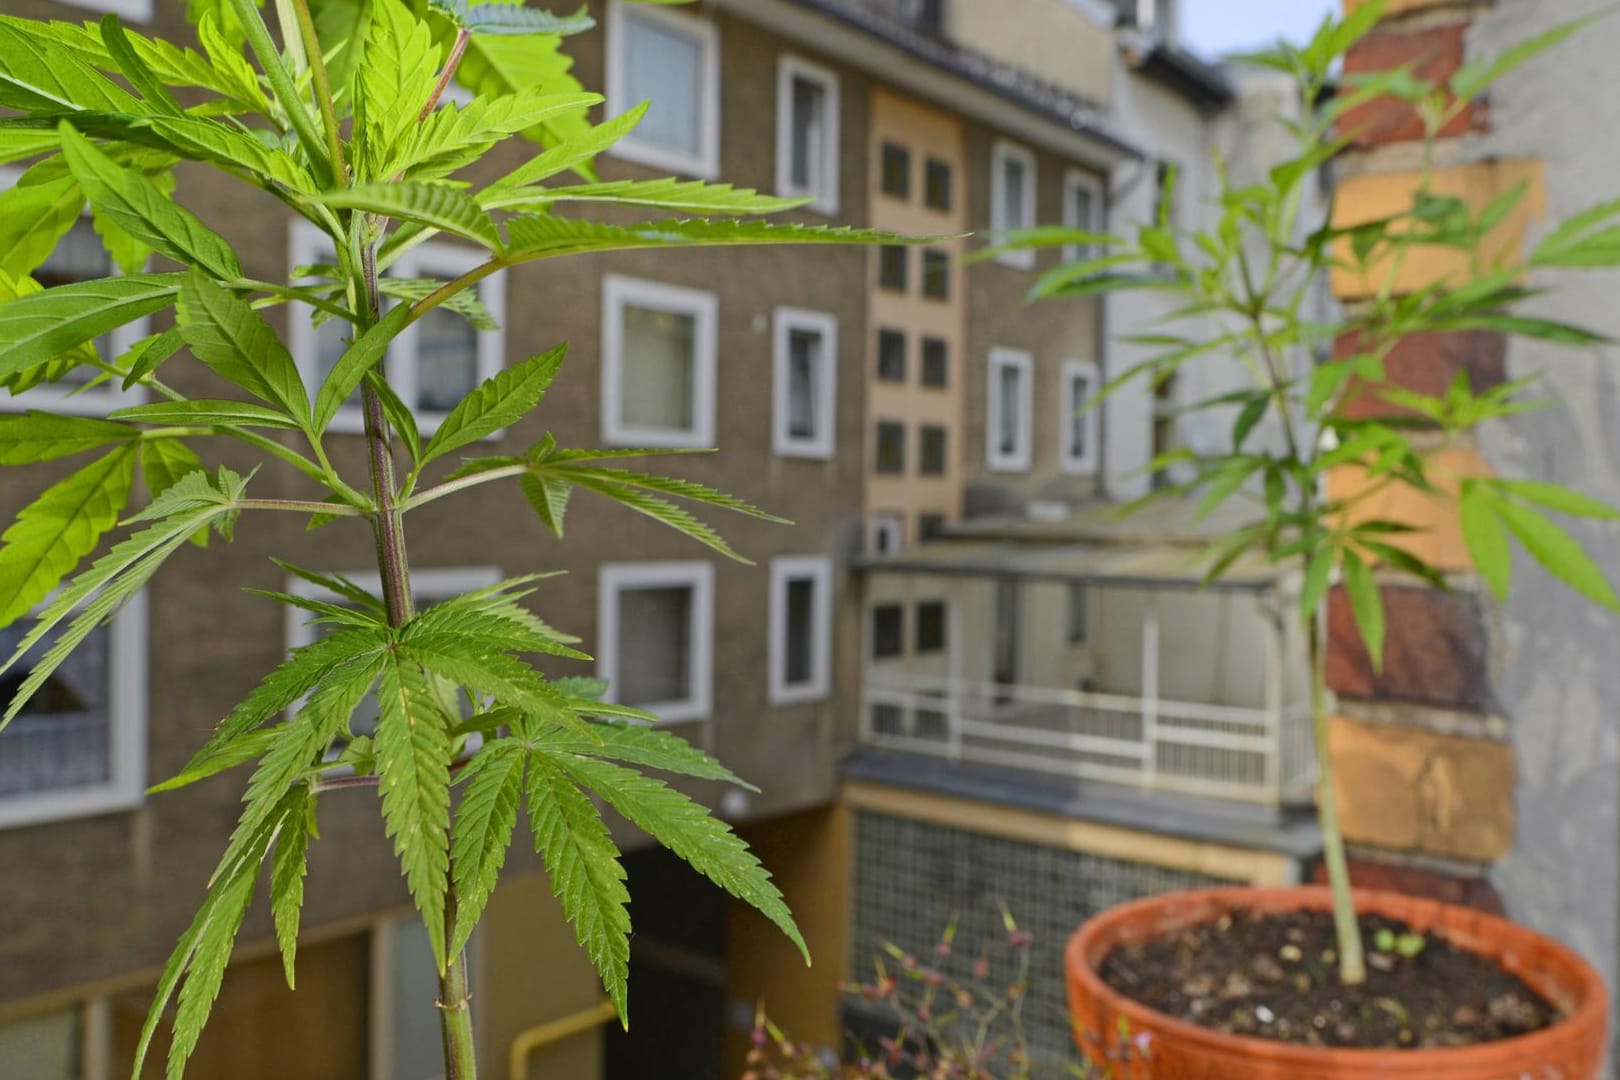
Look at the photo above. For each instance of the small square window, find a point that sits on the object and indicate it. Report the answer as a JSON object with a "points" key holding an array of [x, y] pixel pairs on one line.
{"points": [[658, 364], [801, 629], [892, 271], [887, 534], [891, 366], [896, 160], [931, 626], [1079, 614], [930, 526], [888, 631], [937, 185], [936, 362], [807, 133], [891, 448], [931, 451], [655, 637], [806, 388], [673, 61], [936, 279]]}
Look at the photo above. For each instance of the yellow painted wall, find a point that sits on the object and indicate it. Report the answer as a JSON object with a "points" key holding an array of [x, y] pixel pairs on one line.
{"points": [[1439, 540], [1049, 38]]}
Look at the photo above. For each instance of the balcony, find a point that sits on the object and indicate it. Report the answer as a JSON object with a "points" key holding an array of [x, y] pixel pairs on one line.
{"points": [[1097, 662]]}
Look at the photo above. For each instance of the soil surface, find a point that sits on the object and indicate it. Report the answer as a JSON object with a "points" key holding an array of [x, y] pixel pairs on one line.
{"points": [[1276, 977]]}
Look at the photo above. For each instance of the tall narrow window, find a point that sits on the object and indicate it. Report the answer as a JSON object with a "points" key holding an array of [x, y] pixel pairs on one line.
{"points": [[936, 362], [1012, 199], [1079, 613], [931, 450], [1010, 402], [1083, 210], [892, 273], [404, 978], [936, 275], [895, 161], [655, 637], [1078, 423], [671, 59], [888, 631], [801, 629], [806, 383], [891, 365], [937, 185], [931, 620], [444, 356], [658, 364], [807, 133], [891, 448]]}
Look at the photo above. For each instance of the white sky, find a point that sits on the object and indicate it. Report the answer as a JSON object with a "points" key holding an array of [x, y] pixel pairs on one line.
{"points": [[1214, 27]]}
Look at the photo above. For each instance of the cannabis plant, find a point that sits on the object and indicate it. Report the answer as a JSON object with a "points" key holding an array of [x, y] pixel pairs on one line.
{"points": [[1241, 291], [343, 121]]}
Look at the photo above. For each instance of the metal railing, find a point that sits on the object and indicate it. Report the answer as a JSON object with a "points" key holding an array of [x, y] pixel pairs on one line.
{"points": [[1243, 754]]}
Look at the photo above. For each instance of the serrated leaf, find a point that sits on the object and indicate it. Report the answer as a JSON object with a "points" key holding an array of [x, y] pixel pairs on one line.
{"points": [[680, 196], [148, 354], [33, 219], [498, 402], [1248, 418], [1366, 604], [413, 763], [648, 747], [1559, 498], [395, 77], [510, 18], [40, 76], [688, 830], [531, 237], [165, 462], [40, 436], [586, 874], [572, 153], [492, 787], [660, 510], [287, 874], [225, 333], [399, 415], [53, 533], [41, 326], [145, 210], [549, 495], [496, 66], [362, 356], [241, 750], [205, 413], [337, 585], [1557, 552], [1318, 571], [435, 204]]}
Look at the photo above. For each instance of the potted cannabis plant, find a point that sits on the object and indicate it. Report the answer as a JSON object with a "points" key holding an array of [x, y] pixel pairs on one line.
{"points": [[339, 113], [1314, 983]]}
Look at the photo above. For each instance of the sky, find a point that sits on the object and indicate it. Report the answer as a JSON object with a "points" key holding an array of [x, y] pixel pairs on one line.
{"points": [[1214, 27]]}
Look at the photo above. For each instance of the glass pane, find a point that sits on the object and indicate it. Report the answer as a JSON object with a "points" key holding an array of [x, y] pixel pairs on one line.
{"points": [[447, 360], [896, 170], [891, 447], [930, 526], [804, 359], [1082, 208], [413, 986], [892, 355], [1012, 194], [936, 274], [935, 362], [888, 630], [932, 458], [809, 129], [659, 369], [42, 1048], [665, 67], [79, 256], [930, 626], [800, 631], [892, 268], [655, 647], [1078, 615], [1079, 394], [937, 186], [1007, 414], [61, 738]]}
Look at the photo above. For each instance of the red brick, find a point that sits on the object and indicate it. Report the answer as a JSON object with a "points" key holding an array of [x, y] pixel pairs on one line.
{"points": [[1428, 363], [1437, 651], [1435, 55], [1467, 891]]}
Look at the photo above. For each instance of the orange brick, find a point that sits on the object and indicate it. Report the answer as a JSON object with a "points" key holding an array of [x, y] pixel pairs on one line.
{"points": [[1405, 789], [1438, 540]]}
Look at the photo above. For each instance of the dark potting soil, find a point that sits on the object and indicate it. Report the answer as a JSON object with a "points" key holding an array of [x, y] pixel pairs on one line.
{"points": [[1276, 977]]}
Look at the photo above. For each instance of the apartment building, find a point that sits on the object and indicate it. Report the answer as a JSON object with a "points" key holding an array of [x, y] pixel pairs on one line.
{"points": [[850, 390]]}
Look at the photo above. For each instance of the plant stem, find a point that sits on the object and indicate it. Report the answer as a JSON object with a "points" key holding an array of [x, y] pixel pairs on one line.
{"points": [[455, 1008], [1352, 959], [457, 51]]}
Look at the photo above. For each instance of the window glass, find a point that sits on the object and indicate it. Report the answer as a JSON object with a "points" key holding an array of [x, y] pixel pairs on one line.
{"points": [[655, 646], [930, 626], [892, 268], [799, 633], [1083, 208], [658, 368], [888, 630], [936, 362], [664, 66], [896, 170], [809, 133], [891, 447], [804, 362], [936, 281], [937, 185], [413, 983], [1079, 414], [892, 355], [1079, 616], [886, 534], [930, 526], [45, 1047], [78, 256], [447, 360], [1007, 417], [62, 738], [1015, 212], [932, 452]]}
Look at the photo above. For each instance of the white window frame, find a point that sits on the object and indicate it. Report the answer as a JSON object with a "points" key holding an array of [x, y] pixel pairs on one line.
{"points": [[127, 707], [381, 990], [1079, 460], [894, 525], [1001, 153], [109, 395], [821, 443], [307, 244], [140, 10], [705, 165], [824, 189], [1076, 180], [818, 569], [616, 578], [1023, 362], [618, 292]]}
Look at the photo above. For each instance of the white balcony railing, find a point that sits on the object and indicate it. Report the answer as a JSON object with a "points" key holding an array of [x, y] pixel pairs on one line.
{"points": [[1219, 751]]}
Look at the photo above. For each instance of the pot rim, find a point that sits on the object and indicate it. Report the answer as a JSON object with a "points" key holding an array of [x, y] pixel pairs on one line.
{"points": [[1591, 1007]]}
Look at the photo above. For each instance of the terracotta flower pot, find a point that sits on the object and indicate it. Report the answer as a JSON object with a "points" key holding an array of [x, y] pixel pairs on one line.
{"points": [[1162, 1048]]}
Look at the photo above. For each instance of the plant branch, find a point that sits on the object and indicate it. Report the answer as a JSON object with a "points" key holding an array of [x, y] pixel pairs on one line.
{"points": [[457, 51], [258, 37], [1352, 959], [451, 487], [303, 507], [323, 88]]}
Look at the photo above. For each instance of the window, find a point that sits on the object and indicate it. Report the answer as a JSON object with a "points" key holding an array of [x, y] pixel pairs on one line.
{"points": [[80, 256], [1010, 405], [1078, 614], [896, 164], [936, 362], [930, 526], [931, 450], [139, 10], [807, 133], [1012, 199], [887, 534], [433, 364], [1166, 177], [658, 364], [891, 447], [936, 277], [1078, 423], [1082, 209], [79, 747], [891, 366], [801, 629], [404, 985], [937, 185], [47, 1046], [931, 626], [888, 631], [806, 383], [892, 268], [672, 60], [655, 637]]}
